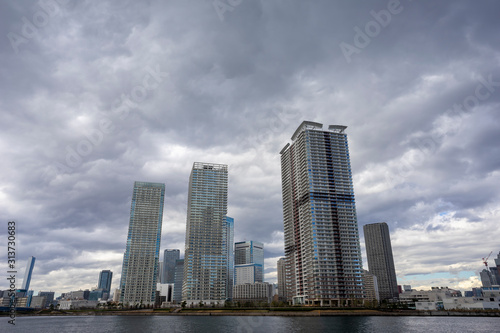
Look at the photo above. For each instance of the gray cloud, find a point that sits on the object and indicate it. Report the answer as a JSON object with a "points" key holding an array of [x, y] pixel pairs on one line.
{"points": [[234, 91]]}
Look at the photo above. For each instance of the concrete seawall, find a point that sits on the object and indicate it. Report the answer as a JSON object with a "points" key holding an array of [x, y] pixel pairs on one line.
{"points": [[313, 313]]}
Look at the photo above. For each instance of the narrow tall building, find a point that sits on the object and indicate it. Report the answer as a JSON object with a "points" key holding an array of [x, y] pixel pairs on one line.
{"points": [[281, 279], [169, 258], [322, 251], [206, 256], [27, 274], [179, 274], [380, 260], [140, 261], [105, 278], [228, 244]]}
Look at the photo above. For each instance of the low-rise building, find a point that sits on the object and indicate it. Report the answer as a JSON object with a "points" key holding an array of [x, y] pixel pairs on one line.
{"points": [[448, 299], [75, 304], [38, 302], [253, 292], [470, 303], [433, 295]]}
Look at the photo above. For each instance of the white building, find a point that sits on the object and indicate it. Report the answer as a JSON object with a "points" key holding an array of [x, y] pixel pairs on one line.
{"points": [[448, 299], [253, 292], [433, 295], [75, 304]]}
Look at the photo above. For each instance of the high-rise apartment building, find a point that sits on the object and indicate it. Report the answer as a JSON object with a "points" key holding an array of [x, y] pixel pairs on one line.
{"points": [[228, 244], [206, 256], [169, 258], [140, 261], [105, 278], [322, 251], [380, 260], [281, 279]]}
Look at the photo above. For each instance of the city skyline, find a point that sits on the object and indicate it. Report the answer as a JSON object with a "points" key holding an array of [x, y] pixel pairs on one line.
{"points": [[102, 94]]}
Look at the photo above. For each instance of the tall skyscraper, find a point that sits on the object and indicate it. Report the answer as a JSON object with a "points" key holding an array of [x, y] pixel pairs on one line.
{"points": [[322, 251], [249, 262], [169, 258], [206, 255], [105, 277], [380, 260], [140, 261], [228, 244], [27, 274]]}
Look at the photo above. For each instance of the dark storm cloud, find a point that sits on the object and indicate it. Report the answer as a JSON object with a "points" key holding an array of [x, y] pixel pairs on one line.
{"points": [[111, 92]]}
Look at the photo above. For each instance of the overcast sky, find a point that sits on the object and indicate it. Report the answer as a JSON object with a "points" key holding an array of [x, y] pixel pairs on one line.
{"points": [[95, 95]]}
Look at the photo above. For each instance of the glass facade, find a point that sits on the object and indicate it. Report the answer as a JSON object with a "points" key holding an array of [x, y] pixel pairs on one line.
{"points": [[27, 275], [179, 274], [229, 248], [169, 258], [140, 261], [206, 256], [322, 251], [250, 252], [105, 278]]}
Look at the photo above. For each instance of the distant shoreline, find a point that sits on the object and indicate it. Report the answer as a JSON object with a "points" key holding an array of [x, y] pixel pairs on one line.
{"points": [[312, 313]]}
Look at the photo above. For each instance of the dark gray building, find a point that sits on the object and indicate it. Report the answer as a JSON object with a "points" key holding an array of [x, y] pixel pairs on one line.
{"points": [[169, 258], [105, 278], [49, 297], [179, 274], [380, 260]]}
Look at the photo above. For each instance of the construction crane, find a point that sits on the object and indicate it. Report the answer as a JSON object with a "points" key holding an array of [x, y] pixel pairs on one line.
{"points": [[485, 260]]}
